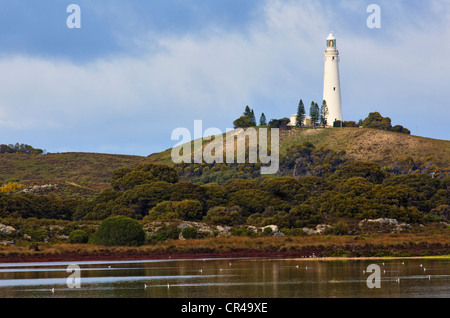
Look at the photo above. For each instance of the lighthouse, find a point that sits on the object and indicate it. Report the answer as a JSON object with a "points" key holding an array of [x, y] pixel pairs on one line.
{"points": [[331, 83]]}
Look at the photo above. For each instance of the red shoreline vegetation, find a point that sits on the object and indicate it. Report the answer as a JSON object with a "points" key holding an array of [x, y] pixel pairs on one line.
{"points": [[268, 247]]}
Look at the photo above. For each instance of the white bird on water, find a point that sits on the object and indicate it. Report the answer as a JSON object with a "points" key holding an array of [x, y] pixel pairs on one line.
{"points": [[398, 280], [53, 290], [168, 286]]}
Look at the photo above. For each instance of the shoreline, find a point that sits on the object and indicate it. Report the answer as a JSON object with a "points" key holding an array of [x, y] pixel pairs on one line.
{"points": [[197, 256], [298, 248]]}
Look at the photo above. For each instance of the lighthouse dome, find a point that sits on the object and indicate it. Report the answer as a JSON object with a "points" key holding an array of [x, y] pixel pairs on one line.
{"points": [[331, 37]]}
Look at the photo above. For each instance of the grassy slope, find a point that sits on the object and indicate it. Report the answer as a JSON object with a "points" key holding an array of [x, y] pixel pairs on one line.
{"points": [[84, 173], [78, 170], [360, 144]]}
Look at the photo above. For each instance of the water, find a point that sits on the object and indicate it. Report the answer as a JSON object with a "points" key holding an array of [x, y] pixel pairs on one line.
{"points": [[228, 278]]}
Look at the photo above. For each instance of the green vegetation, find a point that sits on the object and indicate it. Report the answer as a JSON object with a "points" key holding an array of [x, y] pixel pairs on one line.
{"points": [[375, 120], [78, 237], [314, 114], [336, 177], [20, 148], [301, 114], [280, 123], [120, 231], [189, 232], [248, 119]]}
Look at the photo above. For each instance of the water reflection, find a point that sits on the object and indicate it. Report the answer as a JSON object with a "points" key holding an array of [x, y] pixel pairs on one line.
{"points": [[224, 278]]}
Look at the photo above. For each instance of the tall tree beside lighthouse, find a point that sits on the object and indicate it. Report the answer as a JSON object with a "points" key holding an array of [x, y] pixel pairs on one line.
{"points": [[301, 113], [324, 114], [314, 114]]}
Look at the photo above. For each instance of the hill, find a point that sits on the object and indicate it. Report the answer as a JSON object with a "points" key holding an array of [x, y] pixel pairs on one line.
{"points": [[83, 173], [360, 144]]}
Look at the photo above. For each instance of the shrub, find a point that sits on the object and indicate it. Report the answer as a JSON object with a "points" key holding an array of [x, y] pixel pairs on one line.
{"points": [[224, 216], [242, 232], [341, 228], [267, 231], [78, 237], [189, 210], [189, 232], [120, 230], [243, 122]]}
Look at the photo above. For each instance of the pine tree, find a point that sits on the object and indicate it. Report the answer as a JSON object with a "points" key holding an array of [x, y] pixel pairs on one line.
{"points": [[301, 114], [314, 113], [262, 120], [324, 114], [247, 112], [252, 117], [250, 114]]}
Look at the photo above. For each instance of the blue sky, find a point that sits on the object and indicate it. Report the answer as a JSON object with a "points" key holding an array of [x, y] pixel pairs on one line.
{"points": [[138, 69]]}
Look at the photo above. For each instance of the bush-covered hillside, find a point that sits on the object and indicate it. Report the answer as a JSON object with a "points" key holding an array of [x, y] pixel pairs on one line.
{"points": [[316, 185]]}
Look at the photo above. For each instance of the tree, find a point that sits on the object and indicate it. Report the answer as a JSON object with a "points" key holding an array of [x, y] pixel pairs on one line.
{"points": [[120, 231], [279, 123], [247, 112], [221, 215], [189, 210], [250, 114], [252, 117], [243, 122], [125, 179], [324, 114], [314, 114], [189, 232], [301, 114], [375, 120], [78, 237], [262, 120], [401, 129]]}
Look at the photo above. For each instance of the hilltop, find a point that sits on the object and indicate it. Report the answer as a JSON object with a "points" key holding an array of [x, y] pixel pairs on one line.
{"points": [[361, 144], [92, 171]]}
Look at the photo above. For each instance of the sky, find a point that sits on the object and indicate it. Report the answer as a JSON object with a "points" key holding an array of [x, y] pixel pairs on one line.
{"points": [[138, 69]]}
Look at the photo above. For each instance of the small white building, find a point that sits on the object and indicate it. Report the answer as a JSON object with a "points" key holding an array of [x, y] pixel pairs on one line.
{"points": [[293, 123]]}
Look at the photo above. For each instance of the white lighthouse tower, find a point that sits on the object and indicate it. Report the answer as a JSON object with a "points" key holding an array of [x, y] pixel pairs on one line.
{"points": [[331, 86]]}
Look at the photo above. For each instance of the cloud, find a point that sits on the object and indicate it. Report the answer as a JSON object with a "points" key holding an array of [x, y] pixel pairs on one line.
{"points": [[131, 103]]}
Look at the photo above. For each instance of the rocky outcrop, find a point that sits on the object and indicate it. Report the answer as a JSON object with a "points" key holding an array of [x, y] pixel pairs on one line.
{"points": [[383, 225], [7, 230], [318, 230]]}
